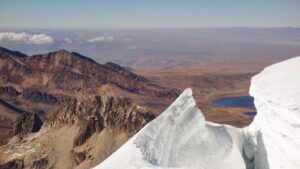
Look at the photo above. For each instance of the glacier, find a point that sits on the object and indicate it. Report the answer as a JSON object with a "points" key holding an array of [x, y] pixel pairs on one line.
{"points": [[180, 138]]}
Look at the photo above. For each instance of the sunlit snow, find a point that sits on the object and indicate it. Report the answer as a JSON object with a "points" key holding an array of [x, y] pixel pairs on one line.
{"points": [[180, 138]]}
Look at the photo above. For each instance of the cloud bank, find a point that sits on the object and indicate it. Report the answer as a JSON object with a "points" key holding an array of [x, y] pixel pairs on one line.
{"points": [[37, 39], [104, 38]]}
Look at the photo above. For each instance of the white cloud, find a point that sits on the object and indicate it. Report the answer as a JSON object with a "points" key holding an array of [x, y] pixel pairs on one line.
{"points": [[104, 38], [27, 38], [41, 39]]}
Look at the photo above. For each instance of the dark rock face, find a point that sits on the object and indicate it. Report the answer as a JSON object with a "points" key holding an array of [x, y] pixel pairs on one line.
{"points": [[40, 97], [13, 164], [25, 123], [37, 123], [8, 90], [41, 163], [29, 123], [88, 128], [78, 157], [12, 107]]}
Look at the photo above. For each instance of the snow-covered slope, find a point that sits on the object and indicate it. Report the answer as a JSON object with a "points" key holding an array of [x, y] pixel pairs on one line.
{"points": [[276, 128], [180, 138]]}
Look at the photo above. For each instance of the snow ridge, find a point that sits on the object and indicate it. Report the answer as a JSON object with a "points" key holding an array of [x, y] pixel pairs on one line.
{"points": [[276, 128], [180, 138]]}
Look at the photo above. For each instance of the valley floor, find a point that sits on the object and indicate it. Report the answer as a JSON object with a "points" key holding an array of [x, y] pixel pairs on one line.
{"points": [[210, 83]]}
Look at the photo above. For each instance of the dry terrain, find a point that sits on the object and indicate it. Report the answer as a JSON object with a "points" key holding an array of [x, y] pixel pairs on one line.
{"points": [[210, 82], [64, 110], [39, 84]]}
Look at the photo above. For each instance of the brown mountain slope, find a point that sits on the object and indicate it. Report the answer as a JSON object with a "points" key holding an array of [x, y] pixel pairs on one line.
{"points": [[68, 72], [64, 110], [40, 84], [80, 134]]}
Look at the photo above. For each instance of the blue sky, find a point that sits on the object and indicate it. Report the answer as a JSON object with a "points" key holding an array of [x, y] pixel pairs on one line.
{"points": [[91, 14]]}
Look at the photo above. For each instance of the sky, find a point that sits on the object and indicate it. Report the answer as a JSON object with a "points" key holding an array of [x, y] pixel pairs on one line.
{"points": [[119, 14]]}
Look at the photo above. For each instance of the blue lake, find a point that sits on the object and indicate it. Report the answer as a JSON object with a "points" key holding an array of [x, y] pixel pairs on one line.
{"points": [[251, 113], [242, 101]]}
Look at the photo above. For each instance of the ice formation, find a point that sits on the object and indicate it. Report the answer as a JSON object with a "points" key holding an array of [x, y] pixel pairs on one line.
{"points": [[276, 129], [180, 138]]}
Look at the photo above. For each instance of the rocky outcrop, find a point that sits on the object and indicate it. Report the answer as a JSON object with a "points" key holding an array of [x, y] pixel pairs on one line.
{"points": [[29, 123], [36, 96], [115, 114], [40, 163], [13, 164], [78, 157], [8, 90], [26, 123], [12, 107], [87, 129], [85, 123], [37, 123]]}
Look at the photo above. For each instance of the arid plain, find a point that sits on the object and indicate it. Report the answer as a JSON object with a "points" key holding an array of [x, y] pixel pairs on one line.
{"points": [[209, 83]]}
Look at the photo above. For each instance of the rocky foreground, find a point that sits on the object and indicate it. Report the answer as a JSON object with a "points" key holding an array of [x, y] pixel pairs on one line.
{"points": [[79, 135]]}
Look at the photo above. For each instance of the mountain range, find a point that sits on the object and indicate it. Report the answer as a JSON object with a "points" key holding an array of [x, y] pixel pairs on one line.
{"points": [[61, 108]]}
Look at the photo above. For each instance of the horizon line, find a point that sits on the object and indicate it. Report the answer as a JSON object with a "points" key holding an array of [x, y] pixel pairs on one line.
{"points": [[155, 28]]}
